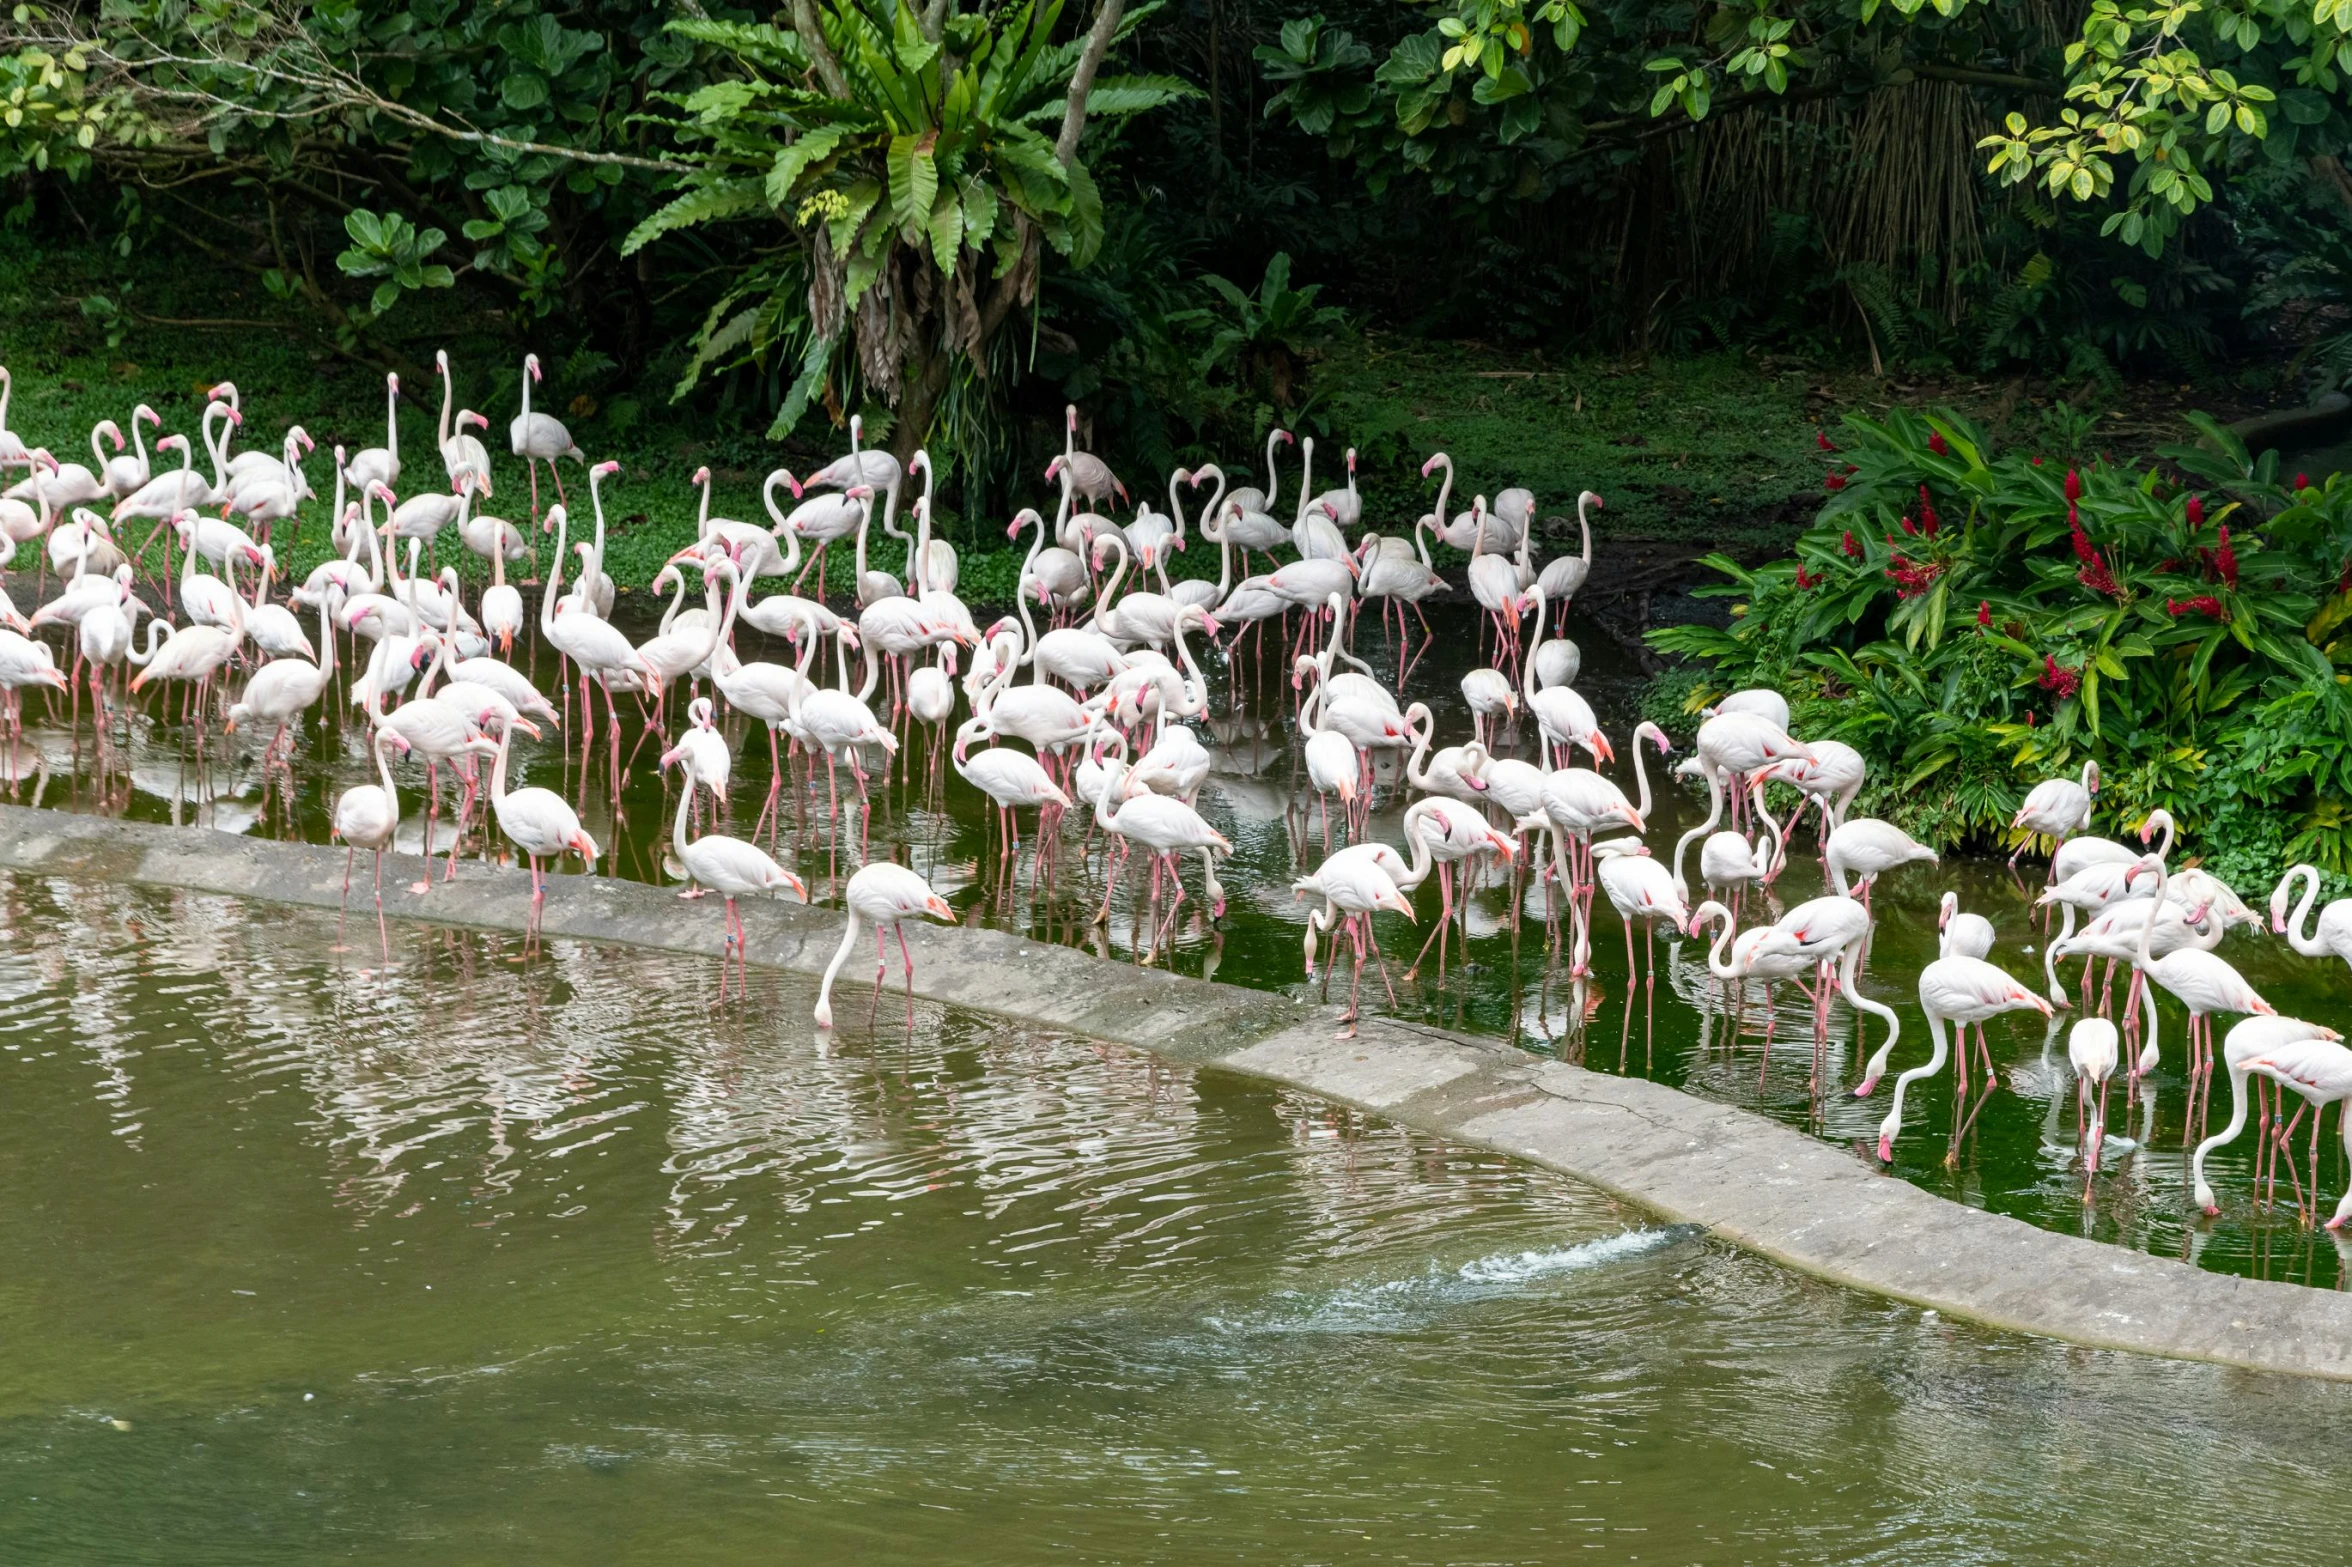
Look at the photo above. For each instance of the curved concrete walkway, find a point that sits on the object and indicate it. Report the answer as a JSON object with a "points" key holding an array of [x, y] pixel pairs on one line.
{"points": [[1747, 1179]]}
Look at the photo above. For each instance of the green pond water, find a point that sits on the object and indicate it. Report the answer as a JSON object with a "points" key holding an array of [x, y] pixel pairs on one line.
{"points": [[462, 1260], [2017, 1154]]}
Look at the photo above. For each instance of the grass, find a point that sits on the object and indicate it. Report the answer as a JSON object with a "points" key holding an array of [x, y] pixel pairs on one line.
{"points": [[1711, 451]]}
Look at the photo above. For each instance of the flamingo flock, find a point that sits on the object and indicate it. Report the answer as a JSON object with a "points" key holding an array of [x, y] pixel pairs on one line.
{"points": [[1083, 709]]}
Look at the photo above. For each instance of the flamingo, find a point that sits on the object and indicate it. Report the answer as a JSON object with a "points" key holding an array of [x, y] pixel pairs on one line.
{"points": [[284, 689], [377, 464], [367, 816], [538, 822], [1962, 935], [884, 896], [1565, 719], [1960, 991], [1168, 828], [1012, 779], [2093, 1048], [593, 644], [1488, 693], [1353, 888], [1564, 576], [461, 453], [705, 748], [1866, 848], [728, 866], [2056, 808], [1088, 474], [1641, 891], [2304, 1057], [2202, 981], [2332, 938], [1445, 832], [540, 438]]}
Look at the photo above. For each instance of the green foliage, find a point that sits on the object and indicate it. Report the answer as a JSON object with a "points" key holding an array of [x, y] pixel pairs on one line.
{"points": [[931, 159], [1262, 341], [394, 249], [1972, 629], [2148, 118]]}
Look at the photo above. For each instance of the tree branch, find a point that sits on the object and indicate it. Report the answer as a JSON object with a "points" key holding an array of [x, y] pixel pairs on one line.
{"points": [[1098, 44], [820, 51]]}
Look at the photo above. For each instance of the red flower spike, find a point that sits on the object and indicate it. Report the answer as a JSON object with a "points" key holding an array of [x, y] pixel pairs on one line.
{"points": [[2056, 677], [2204, 604], [2302, 481], [1806, 581], [1850, 468], [2037, 462], [2225, 560], [1821, 439], [1935, 444], [2029, 717], [2196, 511], [1907, 528], [2073, 485], [1912, 578], [1853, 550], [1834, 482], [1984, 613]]}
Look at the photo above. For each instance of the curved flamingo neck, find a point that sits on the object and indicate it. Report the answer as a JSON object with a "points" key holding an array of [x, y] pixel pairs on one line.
{"points": [[563, 523], [1527, 669], [1273, 474]]}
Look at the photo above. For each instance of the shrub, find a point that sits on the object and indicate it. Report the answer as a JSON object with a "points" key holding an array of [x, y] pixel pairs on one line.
{"points": [[1974, 622]]}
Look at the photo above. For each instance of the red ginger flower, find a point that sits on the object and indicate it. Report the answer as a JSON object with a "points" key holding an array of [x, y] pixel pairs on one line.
{"points": [[2203, 604], [1984, 613], [2302, 481], [2058, 678], [1912, 578], [1935, 444], [1806, 581], [1835, 481], [1852, 550], [1907, 528], [2093, 573], [2196, 511], [2073, 486], [2225, 560], [1822, 440]]}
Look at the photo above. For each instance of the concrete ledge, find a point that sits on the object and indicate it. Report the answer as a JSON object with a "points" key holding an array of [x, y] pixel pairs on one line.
{"points": [[1800, 1201]]}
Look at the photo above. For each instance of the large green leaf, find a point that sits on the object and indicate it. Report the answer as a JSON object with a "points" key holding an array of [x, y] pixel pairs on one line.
{"points": [[704, 204]]}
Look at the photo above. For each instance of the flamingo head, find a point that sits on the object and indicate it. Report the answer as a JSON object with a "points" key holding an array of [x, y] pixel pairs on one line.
{"points": [[1430, 466], [608, 467], [583, 845], [1951, 906], [1598, 744], [531, 366], [1070, 417], [468, 416], [1055, 467], [146, 413], [378, 490], [1391, 899], [859, 492], [938, 907], [1285, 437], [701, 475]]}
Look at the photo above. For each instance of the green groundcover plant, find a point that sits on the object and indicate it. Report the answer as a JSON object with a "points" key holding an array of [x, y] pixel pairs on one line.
{"points": [[1974, 622]]}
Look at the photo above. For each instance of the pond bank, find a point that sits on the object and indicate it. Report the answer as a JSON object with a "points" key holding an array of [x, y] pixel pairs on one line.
{"points": [[1802, 1202]]}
